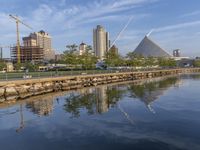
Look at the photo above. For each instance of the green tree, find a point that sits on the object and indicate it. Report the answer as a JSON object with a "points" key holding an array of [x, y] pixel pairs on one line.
{"points": [[69, 57], [131, 55], [134, 59], [166, 62], [150, 61], [197, 63], [113, 60], [2, 65], [31, 67], [18, 66], [89, 49], [172, 63], [73, 48], [87, 60]]}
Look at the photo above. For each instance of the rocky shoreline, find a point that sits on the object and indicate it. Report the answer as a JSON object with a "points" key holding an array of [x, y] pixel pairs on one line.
{"points": [[21, 89]]}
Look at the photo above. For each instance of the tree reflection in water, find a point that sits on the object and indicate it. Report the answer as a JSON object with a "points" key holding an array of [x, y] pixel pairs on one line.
{"points": [[94, 100], [98, 100]]}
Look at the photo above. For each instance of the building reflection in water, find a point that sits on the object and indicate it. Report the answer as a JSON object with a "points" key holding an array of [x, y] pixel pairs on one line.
{"points": [[94, 100], [42, 106], [100, 99], [102, 102]]}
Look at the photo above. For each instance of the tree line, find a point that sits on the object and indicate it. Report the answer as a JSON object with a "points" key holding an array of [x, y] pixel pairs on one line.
{"points": [[112, 59], [88, 60]]}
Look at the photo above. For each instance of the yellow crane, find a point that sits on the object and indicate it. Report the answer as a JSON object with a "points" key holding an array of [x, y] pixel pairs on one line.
{"points": [[17, 20]]}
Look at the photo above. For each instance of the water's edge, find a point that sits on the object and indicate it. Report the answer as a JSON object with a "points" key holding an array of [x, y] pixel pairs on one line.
{"points": [[17, 90]]}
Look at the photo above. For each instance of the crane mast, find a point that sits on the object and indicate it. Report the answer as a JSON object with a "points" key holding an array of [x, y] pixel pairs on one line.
{"points": [[17, 20]]}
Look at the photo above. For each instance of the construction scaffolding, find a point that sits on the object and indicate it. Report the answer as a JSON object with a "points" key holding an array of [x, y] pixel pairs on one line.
{"points": [[27, 54]]}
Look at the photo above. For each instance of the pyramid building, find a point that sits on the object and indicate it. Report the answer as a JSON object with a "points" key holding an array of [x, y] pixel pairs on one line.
{"points": [[148, 48]]}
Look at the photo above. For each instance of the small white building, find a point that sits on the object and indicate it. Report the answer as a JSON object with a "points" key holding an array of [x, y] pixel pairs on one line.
{"points": [[82, 48], [9, 67]]}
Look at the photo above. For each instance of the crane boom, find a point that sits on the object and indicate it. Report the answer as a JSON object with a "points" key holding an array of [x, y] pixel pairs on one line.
{"points": [[17, 20], [124, 28]]}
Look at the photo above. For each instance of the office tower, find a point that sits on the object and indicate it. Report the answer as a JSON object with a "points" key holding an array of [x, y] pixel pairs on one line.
{"points": [[100, 42]]}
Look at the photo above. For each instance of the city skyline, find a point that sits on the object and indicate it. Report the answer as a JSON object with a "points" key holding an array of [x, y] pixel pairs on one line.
{"points": [[71, 22]]}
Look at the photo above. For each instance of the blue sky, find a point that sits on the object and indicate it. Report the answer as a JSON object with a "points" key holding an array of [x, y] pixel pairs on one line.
{"points": [[176, 23]]}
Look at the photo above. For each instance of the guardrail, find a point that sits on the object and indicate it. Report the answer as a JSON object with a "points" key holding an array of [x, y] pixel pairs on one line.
{"points": [[24, 76]]}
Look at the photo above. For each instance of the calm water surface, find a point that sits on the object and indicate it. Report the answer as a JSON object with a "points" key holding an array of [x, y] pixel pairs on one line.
{"points": [[163, 114]]}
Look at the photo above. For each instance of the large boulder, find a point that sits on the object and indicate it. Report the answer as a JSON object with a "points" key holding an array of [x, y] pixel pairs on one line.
{"points": [[48, 87], [38, 89], [23, 91], [2, 92], [11, 93]]}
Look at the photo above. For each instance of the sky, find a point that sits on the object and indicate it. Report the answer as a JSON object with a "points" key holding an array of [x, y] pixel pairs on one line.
{"points": [[176, 23]]}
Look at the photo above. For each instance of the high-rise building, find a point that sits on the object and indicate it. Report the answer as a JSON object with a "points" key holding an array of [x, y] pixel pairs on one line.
{"points": [[82, 48], [100, 42], [43, 40], [27, 54], [29, 41]]}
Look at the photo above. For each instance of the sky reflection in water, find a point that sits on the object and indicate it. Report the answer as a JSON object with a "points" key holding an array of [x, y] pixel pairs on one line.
{"points": [[160, 114]]}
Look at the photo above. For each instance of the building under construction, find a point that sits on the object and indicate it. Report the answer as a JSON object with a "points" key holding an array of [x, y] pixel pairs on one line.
{"points": [[27, 54]]}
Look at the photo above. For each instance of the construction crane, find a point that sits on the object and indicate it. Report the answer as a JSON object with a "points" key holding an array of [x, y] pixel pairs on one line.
{"points": [[1, 51], [17, 20]]}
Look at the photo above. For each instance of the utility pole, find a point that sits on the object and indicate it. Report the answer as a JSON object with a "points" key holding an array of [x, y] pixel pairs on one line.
{"points": [[1, 51]]}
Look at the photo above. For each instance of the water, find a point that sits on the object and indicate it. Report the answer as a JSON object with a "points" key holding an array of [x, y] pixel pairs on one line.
{"points": [[154, 115]]}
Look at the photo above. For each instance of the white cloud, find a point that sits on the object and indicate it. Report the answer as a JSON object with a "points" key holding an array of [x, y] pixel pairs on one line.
{"points": [[69, 21], [194, 13], [177, 26], [123, 3]]}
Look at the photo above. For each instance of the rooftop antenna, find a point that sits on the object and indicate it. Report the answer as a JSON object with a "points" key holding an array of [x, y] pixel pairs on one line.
{"points": [[118, 36]]}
